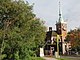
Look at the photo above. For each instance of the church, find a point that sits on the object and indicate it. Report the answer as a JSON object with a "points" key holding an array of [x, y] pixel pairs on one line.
{"points": [[57, 44]]}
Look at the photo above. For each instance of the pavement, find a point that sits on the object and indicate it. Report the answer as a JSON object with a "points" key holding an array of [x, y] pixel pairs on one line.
{"points": [[49, 58]]}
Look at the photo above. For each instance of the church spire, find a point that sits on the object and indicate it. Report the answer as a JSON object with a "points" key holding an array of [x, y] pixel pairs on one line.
{"points": [[60, 13]]}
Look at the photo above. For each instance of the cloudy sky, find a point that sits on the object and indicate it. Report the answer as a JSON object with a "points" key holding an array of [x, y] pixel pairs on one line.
{"points": [[48, 11]]}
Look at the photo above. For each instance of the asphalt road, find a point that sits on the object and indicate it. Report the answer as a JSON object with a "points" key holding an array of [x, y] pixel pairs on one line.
{"points": [[49, 58], [71, 57]]}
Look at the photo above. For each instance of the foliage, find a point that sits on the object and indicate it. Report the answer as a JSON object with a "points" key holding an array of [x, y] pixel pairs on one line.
{"points": [[21, 32], [74, 38]]}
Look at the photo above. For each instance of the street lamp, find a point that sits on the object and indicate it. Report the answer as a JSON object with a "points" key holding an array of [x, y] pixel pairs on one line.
{"points": [[58, 44], [57, 53]]}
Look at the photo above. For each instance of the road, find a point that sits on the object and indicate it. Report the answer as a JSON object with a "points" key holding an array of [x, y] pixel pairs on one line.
{"points": [[71, 57], [63, 57], [49, 58]]}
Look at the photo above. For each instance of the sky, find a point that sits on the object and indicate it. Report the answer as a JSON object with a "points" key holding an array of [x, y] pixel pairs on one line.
{"points": [[48, 11]]}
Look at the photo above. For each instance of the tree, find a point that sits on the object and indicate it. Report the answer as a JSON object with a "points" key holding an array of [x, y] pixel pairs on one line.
{"points": [[21, 32], [74, 38]]}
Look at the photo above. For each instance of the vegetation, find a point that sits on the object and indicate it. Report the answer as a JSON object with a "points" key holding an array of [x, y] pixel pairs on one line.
{"points": [[21, 32], [74, 38]]}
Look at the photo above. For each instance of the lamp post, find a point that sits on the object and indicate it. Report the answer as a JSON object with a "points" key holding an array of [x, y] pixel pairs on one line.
{"points": [[58, 44], [57, 53]]}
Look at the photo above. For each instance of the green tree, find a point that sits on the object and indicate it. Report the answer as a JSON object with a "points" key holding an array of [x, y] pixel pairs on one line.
{"points": [[21, 32]]}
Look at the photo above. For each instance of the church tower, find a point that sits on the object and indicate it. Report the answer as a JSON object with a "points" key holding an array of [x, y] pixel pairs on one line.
{"points": [[61, 28]]}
